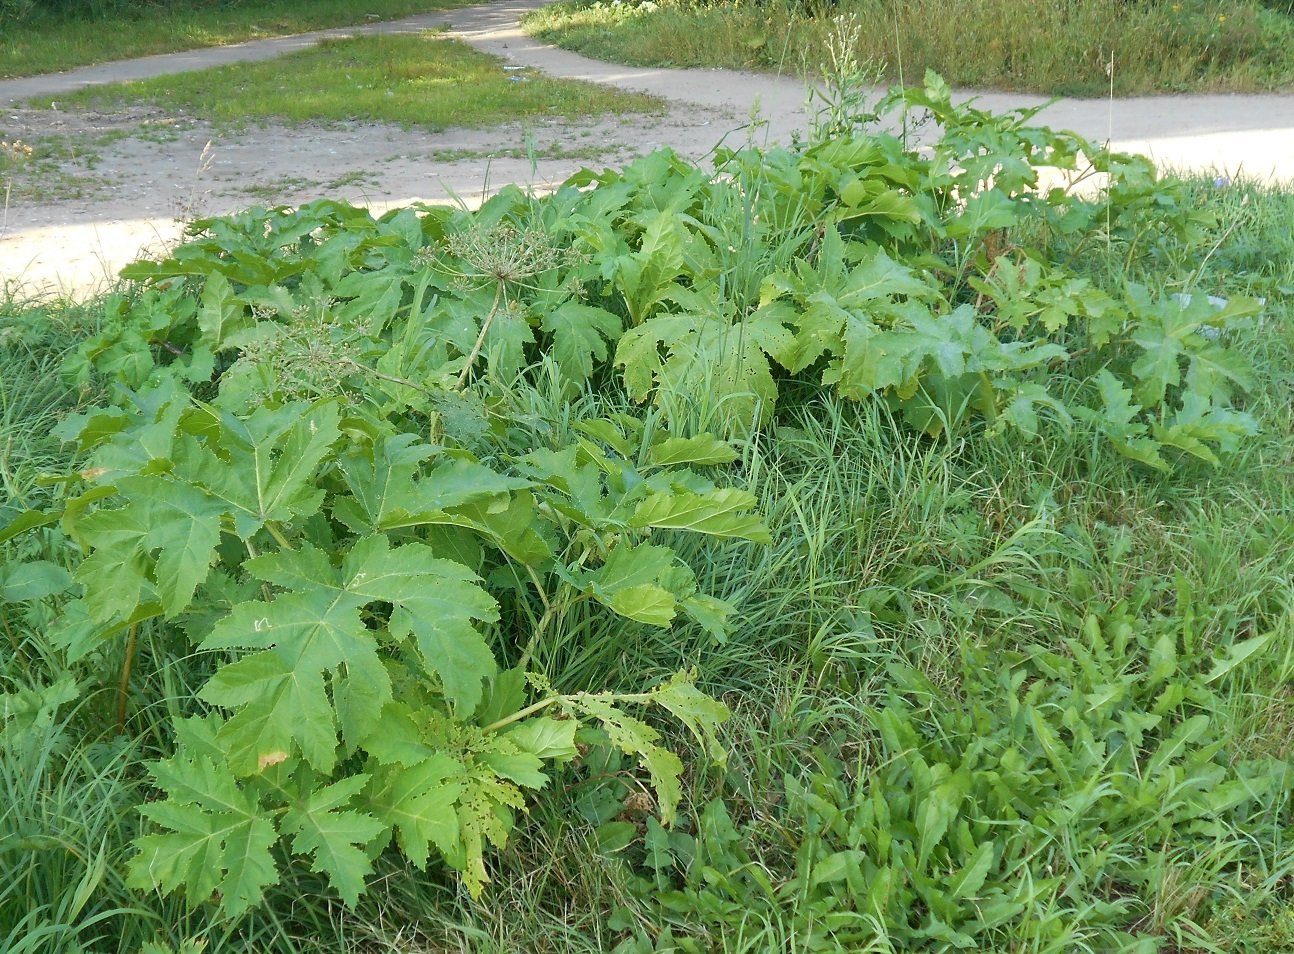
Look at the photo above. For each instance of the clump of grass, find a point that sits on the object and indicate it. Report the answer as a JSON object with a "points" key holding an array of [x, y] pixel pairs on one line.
{"points": [[48, 168], [412, 80], [736, 36], [35, 334], [1066, 48], [68, 817]]}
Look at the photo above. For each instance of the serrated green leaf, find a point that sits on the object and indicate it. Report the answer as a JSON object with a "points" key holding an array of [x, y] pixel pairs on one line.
{"points": [[184, 529], [272, 458], [646, 603], [635, 737], [504, 695], [1197, 424], [218, 842], [221, 315], [33, 580], [983, 211], [636, 582], [863, 198], [283, 709], [1021, 411], [379, 475], [399, 737], [1162, 663], [78, 634], [645, 276], [418, 802], [936, 814], [436, 601], [615, 836], [1118, 419], [1215, 372], [710, 613], [638, 351], [545, 737], [360, 693], [609, 433], [837, 866], [486, 812], [1167, 334], [28, 520], [726, 363], [392, 490], [580, 334], [322, 828], [704, 449], [700, 713], [35, 708], [523, 768], [316, 628], [116, 574], [627, 566], [722, 512], [1236, 654], [974, 873]]}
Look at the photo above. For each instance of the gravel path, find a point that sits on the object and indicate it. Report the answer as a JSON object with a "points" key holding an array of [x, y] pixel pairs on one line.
{"points": [[152, 168]]}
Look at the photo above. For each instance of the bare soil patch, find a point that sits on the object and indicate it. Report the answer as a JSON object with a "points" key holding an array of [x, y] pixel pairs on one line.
{"points": [[136, 175]]}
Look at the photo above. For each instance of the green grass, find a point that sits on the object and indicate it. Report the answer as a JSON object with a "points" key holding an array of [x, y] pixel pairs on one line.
{"points": [[412, 80], [34, 336], [1063, 48], [50, 44], [50, 168]]}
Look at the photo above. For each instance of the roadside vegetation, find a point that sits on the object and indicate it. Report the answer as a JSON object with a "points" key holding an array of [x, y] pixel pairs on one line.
{"points": [[46, 37], [839, 547], [420, 79], [1068, 48]]}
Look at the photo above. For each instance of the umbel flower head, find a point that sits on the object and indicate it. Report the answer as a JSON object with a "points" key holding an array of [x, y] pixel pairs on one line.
{"points": [[506, 253]]}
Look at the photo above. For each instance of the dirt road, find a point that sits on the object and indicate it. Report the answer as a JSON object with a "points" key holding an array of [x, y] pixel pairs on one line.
{"points": [[152, 169]]}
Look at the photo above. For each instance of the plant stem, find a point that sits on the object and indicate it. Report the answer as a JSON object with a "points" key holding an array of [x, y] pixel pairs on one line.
{"points": [[385, 377], [560, 603], [123, 686], [544, 622], [520, 714], [480, 339], [542, 704], [277, 534], [251, 552]]}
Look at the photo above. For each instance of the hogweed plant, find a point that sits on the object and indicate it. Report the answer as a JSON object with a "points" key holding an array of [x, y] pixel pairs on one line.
{"points": [[315, 473]]}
